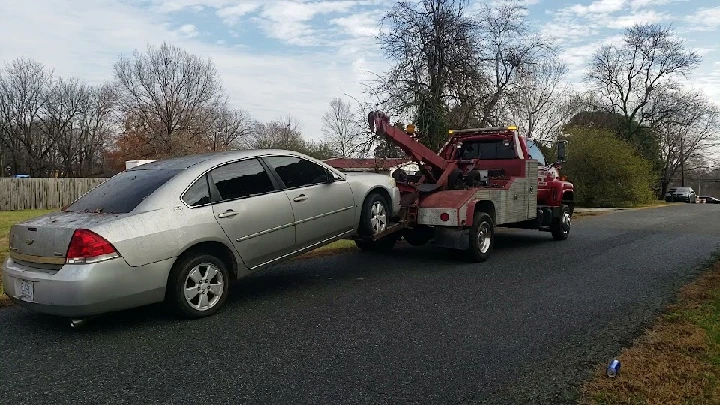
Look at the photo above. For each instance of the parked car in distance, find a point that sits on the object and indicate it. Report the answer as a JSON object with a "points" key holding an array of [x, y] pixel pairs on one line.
{"points": [[179, 230], [685, 194], [710, 200]]}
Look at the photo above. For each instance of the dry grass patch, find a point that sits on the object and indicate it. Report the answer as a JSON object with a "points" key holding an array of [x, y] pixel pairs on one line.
{"points": [[340, 246], [7, 220], [676, 361]]}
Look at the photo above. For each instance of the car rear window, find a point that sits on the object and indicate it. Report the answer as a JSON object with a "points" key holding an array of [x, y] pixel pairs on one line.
{"points": [[123, 192]]}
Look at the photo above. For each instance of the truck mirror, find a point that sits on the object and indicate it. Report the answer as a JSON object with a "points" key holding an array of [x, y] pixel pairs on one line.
{"points": [[562, 151]]}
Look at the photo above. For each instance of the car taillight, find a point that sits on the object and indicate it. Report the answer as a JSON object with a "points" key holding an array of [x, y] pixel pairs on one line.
{"points": [[444, 216], [88, 247]]}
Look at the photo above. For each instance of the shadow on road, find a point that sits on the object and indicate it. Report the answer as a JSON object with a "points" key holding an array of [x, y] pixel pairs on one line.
{"points": [[285, 281]]}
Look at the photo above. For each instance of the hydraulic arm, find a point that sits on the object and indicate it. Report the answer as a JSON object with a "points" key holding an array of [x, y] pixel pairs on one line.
{"points": [[439, 168]]}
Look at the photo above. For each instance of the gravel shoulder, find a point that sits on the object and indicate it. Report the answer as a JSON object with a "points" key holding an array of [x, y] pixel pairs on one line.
{"points": [[414, 325]]}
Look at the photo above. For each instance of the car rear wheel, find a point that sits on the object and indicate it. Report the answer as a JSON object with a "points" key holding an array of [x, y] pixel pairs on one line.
{"points": [[198, 286]]}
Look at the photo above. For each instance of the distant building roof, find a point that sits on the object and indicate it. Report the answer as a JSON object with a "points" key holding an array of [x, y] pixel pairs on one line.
{"points": [[365, 164]]}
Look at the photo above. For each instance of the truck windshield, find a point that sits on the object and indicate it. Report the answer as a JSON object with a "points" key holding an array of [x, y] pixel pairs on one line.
{"points": [[488, 149], [535, 152]]}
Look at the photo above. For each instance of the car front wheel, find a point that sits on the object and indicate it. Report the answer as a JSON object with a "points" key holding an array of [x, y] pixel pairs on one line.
{"points": [[375, 215]]}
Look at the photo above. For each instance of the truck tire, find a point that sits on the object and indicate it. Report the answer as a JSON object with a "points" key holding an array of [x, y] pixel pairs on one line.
{"points": [[386, 243], [205, 272], [375, 215], [455, 180], [482, 238], [560, 227]]}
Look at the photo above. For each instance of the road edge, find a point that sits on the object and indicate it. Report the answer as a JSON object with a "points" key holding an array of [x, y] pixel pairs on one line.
{"points": [[676, 358]]}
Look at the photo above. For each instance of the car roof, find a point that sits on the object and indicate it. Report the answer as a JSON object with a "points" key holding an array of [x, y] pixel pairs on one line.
{"points": [[185, 162]]}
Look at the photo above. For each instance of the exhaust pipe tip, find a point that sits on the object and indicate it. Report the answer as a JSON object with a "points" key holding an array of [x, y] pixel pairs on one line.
{"points": [[77, 323]]}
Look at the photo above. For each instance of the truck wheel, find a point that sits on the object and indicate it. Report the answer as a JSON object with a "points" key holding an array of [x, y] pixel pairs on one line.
{"points": [[198, 286], [482, 238], [560, 227], [386, 243], [375, 215], [455, 180]]}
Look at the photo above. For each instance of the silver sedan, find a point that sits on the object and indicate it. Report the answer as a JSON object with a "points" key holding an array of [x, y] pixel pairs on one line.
{"points": [[179, 230]]}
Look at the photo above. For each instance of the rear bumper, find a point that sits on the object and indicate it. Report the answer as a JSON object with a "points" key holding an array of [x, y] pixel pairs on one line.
{"points": [[86, 290]]}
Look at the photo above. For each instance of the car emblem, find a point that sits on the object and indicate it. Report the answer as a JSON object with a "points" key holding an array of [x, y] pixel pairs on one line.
{"points": [[29, 241]]}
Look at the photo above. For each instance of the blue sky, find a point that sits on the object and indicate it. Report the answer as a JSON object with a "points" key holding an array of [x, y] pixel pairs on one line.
{"points": [[291, 57]]}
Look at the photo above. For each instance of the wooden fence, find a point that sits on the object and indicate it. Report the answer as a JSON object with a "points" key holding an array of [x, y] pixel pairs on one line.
{"points": [[26, 194]]}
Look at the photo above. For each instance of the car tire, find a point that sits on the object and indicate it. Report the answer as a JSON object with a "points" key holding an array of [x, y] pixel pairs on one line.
{"points": [[207, 273], [560, 227], [386, 243], [482, 238], [375, 210]]}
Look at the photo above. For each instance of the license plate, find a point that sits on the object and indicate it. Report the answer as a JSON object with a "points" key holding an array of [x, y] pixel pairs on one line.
{"points": [[26, 290]]}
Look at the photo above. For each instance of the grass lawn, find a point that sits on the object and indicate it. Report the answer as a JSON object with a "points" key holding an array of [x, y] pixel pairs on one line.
{"points": [[7, 219], [675, 361]]}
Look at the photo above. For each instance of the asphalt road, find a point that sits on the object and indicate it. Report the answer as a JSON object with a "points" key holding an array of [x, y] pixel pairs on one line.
{"points": [[417, 325]]}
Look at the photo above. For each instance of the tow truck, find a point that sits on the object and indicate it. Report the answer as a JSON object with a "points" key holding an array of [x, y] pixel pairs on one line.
{"points": [[481, 179]]}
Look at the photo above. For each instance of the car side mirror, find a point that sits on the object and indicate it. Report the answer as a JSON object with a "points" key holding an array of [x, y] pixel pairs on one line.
{"points": [[562, 151], [330, 178]]}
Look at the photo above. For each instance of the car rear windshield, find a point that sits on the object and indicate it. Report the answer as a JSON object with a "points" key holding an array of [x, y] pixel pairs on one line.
{"points": [[123, 192]]}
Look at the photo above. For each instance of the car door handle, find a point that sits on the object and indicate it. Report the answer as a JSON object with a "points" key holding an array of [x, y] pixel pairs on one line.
{"points": [[300, 198], [228, 214]]}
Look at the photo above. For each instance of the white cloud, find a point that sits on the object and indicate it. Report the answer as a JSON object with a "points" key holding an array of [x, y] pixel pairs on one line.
{"points": [[232, 14], [189, 30], [636, 4], [640, 17], [268, 86], [359, 25], [290, 20], [598, 7], [704, 19]]}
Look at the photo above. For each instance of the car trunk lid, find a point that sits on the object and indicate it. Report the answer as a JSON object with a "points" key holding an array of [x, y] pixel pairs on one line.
{"points": [[45, 239]]}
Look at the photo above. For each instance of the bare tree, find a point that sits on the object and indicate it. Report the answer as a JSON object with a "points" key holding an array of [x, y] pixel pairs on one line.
{"points": [[430, 44], [341, 129], [627, 75], [505, 46], [98, 126], [541, 103], [66, 102], [24, 86], [686, 124], [229, 129], [278, 134], [169, 93], [452, 69]]}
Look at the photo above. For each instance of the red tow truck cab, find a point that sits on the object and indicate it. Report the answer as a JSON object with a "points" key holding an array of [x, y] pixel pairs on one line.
{"points": [[481, 178]]}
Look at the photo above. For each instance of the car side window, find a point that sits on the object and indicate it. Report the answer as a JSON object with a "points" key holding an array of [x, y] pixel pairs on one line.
{"points": [[198, 194], [296, 172], [241, 179]]}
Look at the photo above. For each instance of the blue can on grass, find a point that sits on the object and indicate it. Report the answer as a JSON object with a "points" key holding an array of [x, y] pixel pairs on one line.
{"points": [[613, 369]]}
